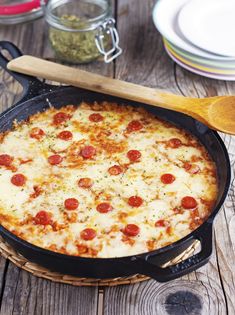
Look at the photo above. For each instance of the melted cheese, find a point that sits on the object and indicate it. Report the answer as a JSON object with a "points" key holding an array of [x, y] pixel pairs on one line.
{"points": [[143, 179]]}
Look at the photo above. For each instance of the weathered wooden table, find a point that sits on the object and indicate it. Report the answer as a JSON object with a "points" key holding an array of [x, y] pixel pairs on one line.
{"points": [[208, 291]]}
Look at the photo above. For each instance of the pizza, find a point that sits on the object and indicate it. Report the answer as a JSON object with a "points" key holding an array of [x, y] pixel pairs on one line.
{"points": [[103, 180]]}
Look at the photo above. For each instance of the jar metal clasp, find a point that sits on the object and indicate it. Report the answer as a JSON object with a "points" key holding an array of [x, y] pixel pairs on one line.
{"points": [[108, 27]]}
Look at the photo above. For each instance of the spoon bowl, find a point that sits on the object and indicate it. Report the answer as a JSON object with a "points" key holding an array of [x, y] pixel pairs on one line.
{"points": [[221, 114]]}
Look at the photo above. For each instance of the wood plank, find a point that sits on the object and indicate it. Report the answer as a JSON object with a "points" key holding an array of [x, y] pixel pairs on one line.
{"points": [[221, 267], [10, 90], [209, 290], [22, 36], [3, 268], [25, 294], [143, 60], [176, 297]]}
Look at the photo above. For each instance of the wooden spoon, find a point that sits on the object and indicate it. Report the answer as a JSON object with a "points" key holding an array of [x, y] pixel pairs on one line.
{"points": [[216, 112]]}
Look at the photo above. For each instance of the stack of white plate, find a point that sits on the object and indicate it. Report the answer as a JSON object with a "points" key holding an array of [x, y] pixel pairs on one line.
{"points": [[199, 35]]}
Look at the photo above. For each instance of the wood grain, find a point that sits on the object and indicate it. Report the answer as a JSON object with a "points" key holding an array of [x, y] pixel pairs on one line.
{"points": [[211, 289], [26, 294], [145, 62], [221, 266], [22, 293], [179, 297]]}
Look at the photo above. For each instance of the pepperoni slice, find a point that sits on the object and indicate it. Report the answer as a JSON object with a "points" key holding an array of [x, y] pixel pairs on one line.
{"points": [[85, 182], [88, 234], [55, 159], [134, 125], [18, 179], [104, 207], [174, 143], [65, 135], [192, 168], [71, 203], [96, 117], [135, 201], [167, 178], [188, 202], [60, 118], [37, 133], [131, 230], [43, 218], [187, 166], [88, 151], [6, 160], [115, 170], [133, 155], [161, 223]]}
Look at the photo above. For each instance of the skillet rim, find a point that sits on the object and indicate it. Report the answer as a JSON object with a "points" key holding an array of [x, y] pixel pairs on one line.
{"points": [[193, 235]]}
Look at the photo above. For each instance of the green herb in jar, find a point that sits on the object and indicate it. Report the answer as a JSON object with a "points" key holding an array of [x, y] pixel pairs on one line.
{"points": [[77, 45]]}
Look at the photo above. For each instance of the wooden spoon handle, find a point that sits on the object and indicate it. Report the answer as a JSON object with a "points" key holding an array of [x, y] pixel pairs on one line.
{"points": [[56, 72]]}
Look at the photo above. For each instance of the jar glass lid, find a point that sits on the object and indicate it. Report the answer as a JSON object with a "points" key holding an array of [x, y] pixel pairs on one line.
{"points": [[15, 7]]}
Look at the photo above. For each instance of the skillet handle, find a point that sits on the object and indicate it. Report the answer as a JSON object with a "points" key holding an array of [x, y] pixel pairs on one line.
{"points": [[31, 86], [190, 264]]}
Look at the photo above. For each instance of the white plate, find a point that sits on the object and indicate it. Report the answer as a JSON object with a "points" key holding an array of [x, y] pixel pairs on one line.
{"points": [[209, 24], [226, 64], [215, 65], [165, 14], [199, 72]]}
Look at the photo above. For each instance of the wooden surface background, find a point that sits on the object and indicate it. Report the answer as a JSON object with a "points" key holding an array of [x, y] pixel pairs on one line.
{"points": [[208, 291]]}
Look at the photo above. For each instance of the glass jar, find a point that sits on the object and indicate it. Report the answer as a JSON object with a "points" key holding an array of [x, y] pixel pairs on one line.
{"points": [[82, 30], [18, 11]]}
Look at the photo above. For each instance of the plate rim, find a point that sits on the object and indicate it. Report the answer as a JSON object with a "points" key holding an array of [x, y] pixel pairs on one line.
{"points": [[189, 47], [200, 67], [198, 72], [196, 59], [184, 30]]}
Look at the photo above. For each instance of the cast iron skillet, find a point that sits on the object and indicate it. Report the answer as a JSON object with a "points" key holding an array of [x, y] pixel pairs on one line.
{"points": [[36, 97]]}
